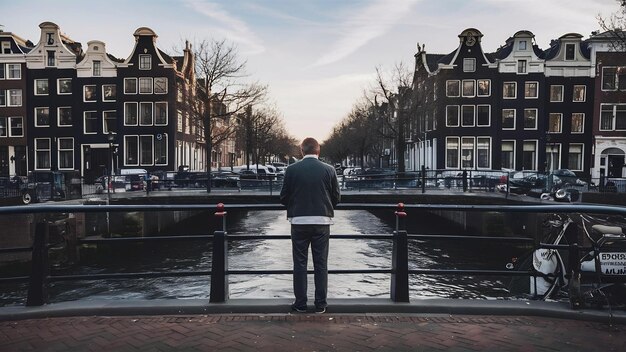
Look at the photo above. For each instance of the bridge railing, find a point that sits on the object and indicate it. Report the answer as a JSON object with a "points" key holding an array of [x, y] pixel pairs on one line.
{"points": [[40, 276]]}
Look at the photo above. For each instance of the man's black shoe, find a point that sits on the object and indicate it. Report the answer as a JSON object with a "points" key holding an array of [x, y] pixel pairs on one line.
{"points": [[298, 309], [320, 310]]}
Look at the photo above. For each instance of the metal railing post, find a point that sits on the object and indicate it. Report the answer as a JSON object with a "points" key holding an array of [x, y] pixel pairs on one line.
{"points": [[423, 179], [219, 266], [38, 285], [575, 296], [400, 259]]}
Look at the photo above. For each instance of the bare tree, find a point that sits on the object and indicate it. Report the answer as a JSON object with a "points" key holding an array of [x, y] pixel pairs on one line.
{"points": [[614, 26], [223, 94]]}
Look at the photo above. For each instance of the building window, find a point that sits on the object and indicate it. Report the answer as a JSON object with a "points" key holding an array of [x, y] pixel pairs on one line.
{"points": [[530, 119], [131, 148], [570, 52], [146, 150], [579, 93], [179, 122], [97, 68], [453, 89], [508, 119], [609, 78], [508, 155], [522, 45], [555, 120], [90, 120], [160, 113], [469, 88], [130, 85], [578, 122], [51, 61], [483, 152], [109, 92], [42, 117], [89, 93], [145, 85], [15, 97], [469, 65], [509, 90], [145, 114], [6, 48], [468, 115], [42, 153], [452, 152], [130, 114], [3, 68], [160, 85], [66, 153], [14, 71], [109, 119], [531, 90], [3, 97], [160, 149], [484, 87], [64, 114], [521, 66], [17, 127], [467, 152], [64, 86], [145, 62], [553, 157], [575, 160], [529, 155], [612, 117], [483, 113], [452, 116], [41, 87], [3, 127], [556, 94]]}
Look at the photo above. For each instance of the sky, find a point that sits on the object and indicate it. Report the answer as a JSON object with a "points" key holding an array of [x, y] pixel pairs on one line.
{"points": [[317, 57]]}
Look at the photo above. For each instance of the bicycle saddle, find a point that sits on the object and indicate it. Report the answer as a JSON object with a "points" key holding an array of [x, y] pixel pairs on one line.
{"points": [[608, 230]]}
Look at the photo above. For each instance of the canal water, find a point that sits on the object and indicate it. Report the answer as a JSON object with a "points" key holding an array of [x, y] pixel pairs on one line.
{"points": [[276, 255]]}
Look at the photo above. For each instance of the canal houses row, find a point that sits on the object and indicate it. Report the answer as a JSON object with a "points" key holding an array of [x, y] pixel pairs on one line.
{"points": [[90, 113], [520, 108]]}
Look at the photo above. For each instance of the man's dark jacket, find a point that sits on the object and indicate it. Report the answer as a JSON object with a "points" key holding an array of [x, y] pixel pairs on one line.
{"points": [[310, 188]]}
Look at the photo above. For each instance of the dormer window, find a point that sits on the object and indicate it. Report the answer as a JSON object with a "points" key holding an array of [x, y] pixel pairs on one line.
{"points": [[97, 71], [6, 47], [145, 62], [522, 45], [51, 62], [469, 65], [570, 52]]}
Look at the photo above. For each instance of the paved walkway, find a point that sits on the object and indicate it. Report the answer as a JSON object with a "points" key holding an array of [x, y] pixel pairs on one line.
{"points": [[264, 325]]}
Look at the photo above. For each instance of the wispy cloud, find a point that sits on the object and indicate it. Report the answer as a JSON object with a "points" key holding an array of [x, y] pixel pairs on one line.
{"points": [[228, 25], [370, 23]]}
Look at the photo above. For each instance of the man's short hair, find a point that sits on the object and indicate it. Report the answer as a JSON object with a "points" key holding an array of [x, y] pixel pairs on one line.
{"points": [[310, 146]]}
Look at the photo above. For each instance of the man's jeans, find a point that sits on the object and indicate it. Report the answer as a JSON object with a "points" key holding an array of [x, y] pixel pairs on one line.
{"points": [[317, 236]]}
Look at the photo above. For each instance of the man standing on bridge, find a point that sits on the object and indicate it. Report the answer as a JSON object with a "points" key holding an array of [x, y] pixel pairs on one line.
{"points": [[310, 191]]}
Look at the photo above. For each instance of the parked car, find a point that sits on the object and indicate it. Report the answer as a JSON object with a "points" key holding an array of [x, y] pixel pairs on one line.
{"points": [[568, 178], [226, 179], [524, 184]]}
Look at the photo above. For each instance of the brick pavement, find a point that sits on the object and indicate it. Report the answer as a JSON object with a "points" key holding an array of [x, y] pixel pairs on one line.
{"points": [[303, 332]]}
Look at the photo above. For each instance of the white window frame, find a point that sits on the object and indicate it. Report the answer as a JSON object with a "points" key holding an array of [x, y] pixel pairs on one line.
{"points": [[149, 85], [490, 149], [96, 68], [130, 79], [163, 136], [565, 52], [105, 130], [562, 90], [488, 115], [95, 113], [36, 86], [104, 98], [59, 86], [36, 119], [463, 88], [536, 150], [151, 137], [5, 94], [95, 95], [520, 66], [141, 62], [136, 104], [581, 158], [458, 151], [140, 115], [6, 126], [458, 115], [59, 116], [584, 93], [522, 45], [10, 126], [9, 96], [8, 72], [473, 150], [453, 81], [165, 81], [154, 116], [551, 148], [615, 80], [536, 90], [514, 90], [582, 124], [478, 90], [536, 119], [514, 120], [6, 48], [49, 149], [560, 126], [59, 150], [473, 120], [514, 153], [126, 149], [469, 65]]}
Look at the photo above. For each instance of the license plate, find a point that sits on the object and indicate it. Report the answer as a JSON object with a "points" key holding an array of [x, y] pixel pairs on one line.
{"points": [[613, 263]]}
